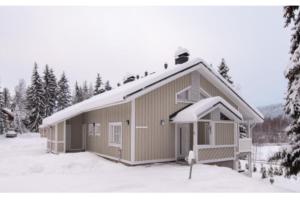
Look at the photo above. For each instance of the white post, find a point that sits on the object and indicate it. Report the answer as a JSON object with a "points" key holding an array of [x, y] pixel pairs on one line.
{"points": [[176, 141], [132, 127], [235, 138], [250, 164], [195, 139], [56, 139], [65, 140]]}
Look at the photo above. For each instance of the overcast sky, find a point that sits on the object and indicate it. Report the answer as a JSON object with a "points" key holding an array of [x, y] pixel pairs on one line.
{"points": [[115, 41]]}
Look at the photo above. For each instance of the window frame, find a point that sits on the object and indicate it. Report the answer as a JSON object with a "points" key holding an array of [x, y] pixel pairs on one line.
{"points": [[90, 129], [99, 129], [110, 128], [181, 91]]}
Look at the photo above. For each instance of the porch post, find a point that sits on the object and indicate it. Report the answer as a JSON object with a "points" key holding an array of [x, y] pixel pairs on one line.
{"points": [[176, 141], [250, 164], [195, 139]]}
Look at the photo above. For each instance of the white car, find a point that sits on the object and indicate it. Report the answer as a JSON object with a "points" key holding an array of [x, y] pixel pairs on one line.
{"points": [[11, 134]]}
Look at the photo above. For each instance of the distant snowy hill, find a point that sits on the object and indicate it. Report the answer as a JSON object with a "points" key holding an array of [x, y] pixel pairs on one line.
{"points": [[272, 111]]}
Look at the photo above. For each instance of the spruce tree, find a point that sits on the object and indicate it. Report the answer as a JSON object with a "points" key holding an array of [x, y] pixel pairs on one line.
{"points": [[85, 91], [63, 93], [91, 90], [19, 106], [2, 116], [290, 157], [6, 98], [223, 70], [50, 89], [98, 85], [78, 94], [35, 101], [107, 86]]}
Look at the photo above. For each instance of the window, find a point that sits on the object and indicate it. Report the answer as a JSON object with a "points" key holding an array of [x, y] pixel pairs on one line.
{"points": [[183, 95], [223, 117], [115, 134], [97, 129], [94, 129], [90, 129]]}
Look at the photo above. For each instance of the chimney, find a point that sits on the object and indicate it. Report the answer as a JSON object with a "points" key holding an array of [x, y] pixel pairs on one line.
{"points": [[166, 65], [181, 55]]}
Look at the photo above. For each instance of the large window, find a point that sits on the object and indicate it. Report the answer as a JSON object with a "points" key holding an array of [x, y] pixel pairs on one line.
{"points": [[115, 134], [94, 129], [183, 96]]}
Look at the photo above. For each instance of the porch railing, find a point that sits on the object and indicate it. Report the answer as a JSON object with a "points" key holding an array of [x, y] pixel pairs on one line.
{"points": [[215, 153], [245, 145]]}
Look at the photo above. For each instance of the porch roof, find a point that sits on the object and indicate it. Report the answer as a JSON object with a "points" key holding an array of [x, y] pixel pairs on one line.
{"points": [[201, 108]]}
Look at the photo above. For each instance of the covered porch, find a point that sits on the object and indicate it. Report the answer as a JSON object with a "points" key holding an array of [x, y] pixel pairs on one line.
{"points": [[210, 129]]}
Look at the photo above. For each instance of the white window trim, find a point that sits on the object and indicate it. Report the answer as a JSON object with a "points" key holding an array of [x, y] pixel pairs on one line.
{"points": [[183, 101], [88, 129], [109, 132], [99, 129], [201, 90]]}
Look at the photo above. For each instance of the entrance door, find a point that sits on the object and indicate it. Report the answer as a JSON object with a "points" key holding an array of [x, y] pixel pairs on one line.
{"points": [[184, 140]]}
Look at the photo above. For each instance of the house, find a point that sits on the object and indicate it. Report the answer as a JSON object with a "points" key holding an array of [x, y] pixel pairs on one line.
{"points": [[9, 117], [160, 118]]}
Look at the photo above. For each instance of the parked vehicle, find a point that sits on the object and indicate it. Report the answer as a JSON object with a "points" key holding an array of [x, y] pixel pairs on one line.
{"points": [[11, 134]]}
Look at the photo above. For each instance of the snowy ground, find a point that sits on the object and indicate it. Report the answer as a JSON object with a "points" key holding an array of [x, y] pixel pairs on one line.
{"points": [[261, 155], [26, 167]]}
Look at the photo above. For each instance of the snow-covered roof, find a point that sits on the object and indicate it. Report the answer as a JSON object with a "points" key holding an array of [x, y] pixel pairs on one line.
{"points": [[125, 92], [8, 111], [205, 106], [116, 95]]}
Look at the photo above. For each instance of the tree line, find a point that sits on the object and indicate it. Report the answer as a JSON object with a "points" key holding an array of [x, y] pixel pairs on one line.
{"points": [[44, 96]]}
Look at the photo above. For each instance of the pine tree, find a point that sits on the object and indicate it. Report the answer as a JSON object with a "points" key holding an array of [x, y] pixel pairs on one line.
{"points": [[2, 116], [98, 85], [63, 93], [19, 106], [223, 70], [35, 101], [91, 90], [78, 95], [291, 14], [85, 91], [6, 98], [50, 89], [107, 86], [290, 157]]}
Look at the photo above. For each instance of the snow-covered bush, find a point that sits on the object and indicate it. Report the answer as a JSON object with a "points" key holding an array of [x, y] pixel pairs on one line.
{"points": [[254, 168], [270, 171], [263, 173]]}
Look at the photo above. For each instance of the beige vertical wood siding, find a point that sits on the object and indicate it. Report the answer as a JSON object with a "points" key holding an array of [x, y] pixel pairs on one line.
{"points": [[224, 133], [213, 91], [99, 144], [156, 141], [76, 132], [60, 137], [215, 153], [60, 131]]}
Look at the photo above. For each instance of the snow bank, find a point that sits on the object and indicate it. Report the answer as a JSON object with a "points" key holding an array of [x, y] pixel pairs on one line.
{"points": [[26, 167]]}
